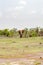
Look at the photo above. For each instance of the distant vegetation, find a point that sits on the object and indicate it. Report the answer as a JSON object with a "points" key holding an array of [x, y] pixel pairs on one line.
{"points": [[33, 32]]}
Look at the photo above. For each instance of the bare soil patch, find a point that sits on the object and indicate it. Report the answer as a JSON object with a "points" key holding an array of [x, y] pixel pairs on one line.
{"points": [[28, 60]]}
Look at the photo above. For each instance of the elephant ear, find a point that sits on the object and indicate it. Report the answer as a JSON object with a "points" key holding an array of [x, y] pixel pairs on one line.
{"points": [[19, 31], [22, 31]]}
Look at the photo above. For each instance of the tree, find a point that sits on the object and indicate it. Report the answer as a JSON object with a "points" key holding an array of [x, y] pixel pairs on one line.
{"points": [[5, 32], [32, 33], [13, 32], [1, 32], [25, 34], [41, 32]]}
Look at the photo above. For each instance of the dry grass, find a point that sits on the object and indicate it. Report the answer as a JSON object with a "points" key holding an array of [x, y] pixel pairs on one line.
{"points": [[18, 48]]}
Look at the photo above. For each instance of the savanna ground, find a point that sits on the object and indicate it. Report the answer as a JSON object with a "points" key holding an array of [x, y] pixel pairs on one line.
{"points": [[21, 51]]}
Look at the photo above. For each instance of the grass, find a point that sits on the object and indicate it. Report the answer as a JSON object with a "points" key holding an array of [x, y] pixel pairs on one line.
{"points": [[37, 63], [18, 47]]}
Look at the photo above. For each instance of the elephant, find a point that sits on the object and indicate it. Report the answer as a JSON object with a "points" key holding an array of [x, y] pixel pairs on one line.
{"points": [[21, 33]]}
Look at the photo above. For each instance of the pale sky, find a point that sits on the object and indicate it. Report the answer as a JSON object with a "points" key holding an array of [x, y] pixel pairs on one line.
{"points": [[21, 14]]}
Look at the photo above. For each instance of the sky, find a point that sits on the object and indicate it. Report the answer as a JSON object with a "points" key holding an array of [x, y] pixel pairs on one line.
{"points": [[21, 14]]}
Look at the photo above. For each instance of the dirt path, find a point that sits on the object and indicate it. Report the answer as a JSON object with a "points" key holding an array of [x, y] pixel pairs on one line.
{"points": [[35, 55], [28, 60]]}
